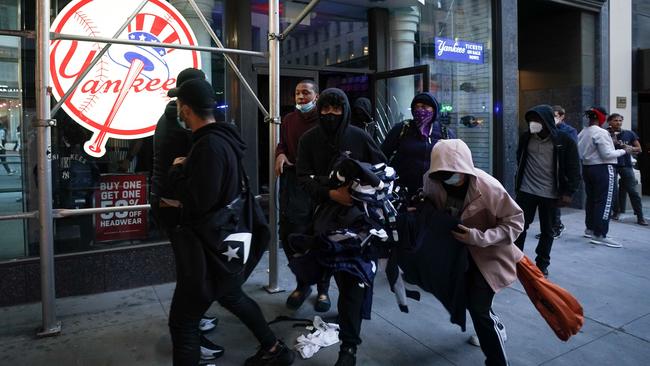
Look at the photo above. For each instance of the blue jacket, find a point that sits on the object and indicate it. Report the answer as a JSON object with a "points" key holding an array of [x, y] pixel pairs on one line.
{"points": [[566, 128]]}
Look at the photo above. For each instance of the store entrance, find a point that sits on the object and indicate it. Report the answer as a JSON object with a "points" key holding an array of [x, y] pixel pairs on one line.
{"points": [[644, 135], [354, 83]]}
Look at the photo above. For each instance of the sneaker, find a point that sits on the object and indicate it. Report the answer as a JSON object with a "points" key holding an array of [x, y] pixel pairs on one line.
{"points": [[588, 233], [298, 297], [323, 303], [558, 231], [210, 350], [347, 357], [538, 235], [641, 221], [473, 340], [11, 172], [544, 271], [281, 357], [603, 240], [207, 324]]}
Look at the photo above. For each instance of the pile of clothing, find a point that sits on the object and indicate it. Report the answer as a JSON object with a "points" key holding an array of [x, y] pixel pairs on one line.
{"points": [[350, 238]]}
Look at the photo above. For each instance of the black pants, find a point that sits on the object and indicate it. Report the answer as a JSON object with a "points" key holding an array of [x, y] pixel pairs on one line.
{"points": [[3, 159], [486, 323], [546, 207], [350, 306], [557, 218], [600, 185], [627, 184]]}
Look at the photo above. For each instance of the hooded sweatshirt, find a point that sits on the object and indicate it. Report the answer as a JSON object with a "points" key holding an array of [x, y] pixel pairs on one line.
{"points": [[210, 177], [596, 146], [563, 170], [493, 217], [170, 141], [318, 150], [362, 117], [409, 151]]}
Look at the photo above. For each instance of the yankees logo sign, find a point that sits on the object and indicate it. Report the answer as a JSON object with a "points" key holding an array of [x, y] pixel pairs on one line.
{"points": [[126, 91]]}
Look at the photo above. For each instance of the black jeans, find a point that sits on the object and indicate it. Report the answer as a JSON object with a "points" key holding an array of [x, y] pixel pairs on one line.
{"points": [[486, 323], [600, 185], [627, 184], [546, 207], [350, 306]]}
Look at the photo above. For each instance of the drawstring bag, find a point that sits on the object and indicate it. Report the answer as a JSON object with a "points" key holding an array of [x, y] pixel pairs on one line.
{"points": [[558, 307]]}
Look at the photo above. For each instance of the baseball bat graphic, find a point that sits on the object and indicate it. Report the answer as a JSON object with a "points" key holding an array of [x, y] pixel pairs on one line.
{"points": [[97, 143]]}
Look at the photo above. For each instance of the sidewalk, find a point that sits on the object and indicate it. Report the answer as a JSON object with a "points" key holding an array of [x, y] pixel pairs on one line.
{"points": [[130, 327]]}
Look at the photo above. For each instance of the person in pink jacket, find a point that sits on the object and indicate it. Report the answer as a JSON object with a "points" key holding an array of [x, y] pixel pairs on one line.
{"points": [[490, 223]]}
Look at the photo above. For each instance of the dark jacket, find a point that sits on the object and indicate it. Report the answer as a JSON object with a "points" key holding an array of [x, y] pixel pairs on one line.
{"points": [[569, 130], [209, 179], [169, 142], [410, 152], [363, 117], [565, 154], [317, 151]]}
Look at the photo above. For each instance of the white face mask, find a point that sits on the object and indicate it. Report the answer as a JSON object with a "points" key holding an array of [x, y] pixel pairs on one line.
{"points": [[557, 120], [304, 108], [454, 179], [535, 127]]}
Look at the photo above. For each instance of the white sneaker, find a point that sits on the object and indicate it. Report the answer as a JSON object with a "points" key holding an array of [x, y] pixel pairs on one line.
{"points": [[588, 233], [603, 240], [473, 340], [207, 324]]}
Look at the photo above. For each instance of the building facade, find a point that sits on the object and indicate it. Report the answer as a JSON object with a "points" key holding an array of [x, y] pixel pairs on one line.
{"points": [[486, 61]]}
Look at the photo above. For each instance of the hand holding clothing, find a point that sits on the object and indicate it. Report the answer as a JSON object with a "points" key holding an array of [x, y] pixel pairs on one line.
{"points": [[341, 195]]}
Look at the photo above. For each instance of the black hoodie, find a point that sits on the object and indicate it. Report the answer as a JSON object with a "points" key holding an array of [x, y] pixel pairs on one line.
{"points": [[362, 117], [318, 151], [565, 154], [210, 177]]}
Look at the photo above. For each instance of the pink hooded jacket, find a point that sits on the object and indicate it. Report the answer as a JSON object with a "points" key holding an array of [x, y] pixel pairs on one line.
{"points": [[494, 219]]}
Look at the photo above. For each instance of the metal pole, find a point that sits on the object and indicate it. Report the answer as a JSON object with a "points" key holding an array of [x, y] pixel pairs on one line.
{"points": [[299, 19], [72, 37], [274, 109], [43, 123], [98, 57], [232, 63]]}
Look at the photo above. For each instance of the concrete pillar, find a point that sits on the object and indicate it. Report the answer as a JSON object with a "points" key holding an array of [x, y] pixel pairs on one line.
{"points": [[403, 26], [199, 30], [620, 58]]}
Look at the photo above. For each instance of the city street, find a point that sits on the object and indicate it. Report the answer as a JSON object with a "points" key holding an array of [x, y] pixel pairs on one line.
{"points": [[129, 327]]}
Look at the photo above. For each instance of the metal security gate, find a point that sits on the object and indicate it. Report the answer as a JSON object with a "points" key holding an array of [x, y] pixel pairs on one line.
{"points": [[43, 122]]}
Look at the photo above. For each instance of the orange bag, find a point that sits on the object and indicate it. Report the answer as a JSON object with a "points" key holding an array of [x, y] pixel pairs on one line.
{"points": [[558, 307]]}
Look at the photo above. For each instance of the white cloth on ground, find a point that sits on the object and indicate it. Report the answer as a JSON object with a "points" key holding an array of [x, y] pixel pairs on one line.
{"points": [[324, 335]]}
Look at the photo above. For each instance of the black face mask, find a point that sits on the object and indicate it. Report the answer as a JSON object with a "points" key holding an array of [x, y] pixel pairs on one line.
{"points": [[330, 123]]}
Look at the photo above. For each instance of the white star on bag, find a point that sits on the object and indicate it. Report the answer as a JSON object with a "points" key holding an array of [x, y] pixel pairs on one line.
{"points": [[231, 253]]}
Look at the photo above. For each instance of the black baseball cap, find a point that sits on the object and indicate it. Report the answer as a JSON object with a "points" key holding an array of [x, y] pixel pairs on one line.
{"points": [[188, 74], [197, 94]]}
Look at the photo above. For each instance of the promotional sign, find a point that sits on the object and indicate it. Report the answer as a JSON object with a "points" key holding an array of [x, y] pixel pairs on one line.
{"points": [[121, 190], [459, 51], [126, 91]]}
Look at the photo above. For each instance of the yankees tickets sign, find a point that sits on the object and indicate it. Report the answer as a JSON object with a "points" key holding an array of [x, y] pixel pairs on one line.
{"points": [[126, 91]]}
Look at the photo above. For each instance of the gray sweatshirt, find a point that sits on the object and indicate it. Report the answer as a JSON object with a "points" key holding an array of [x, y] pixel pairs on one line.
{"points": [[596, 147]]}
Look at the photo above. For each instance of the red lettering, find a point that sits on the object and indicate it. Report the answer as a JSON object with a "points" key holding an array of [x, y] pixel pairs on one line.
{"points": [[151, 85], [137, 83], [66, 61], [110, 83], [90, 86], [169, 84]]}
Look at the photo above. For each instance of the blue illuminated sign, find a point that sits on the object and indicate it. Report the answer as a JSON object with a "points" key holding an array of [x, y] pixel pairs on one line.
{"points": [[459, 51]]}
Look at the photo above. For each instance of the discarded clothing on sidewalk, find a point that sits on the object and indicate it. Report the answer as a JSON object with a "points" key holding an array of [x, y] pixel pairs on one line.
{"points": [[435, 262], [558, 307], [323, 335]]}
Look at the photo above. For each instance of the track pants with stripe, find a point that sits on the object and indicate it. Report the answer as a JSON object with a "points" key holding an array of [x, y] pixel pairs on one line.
{"points": [[488, 328], [600, 187]]}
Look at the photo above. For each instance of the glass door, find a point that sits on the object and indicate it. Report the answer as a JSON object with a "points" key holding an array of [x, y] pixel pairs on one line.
{"points": [[392, 93]]}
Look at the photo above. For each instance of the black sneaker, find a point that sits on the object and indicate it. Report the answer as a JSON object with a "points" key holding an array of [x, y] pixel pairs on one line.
{"points": [[210, 350], [281, 357], [347, 357], [557, 232], [298, 297], [323, 303]]}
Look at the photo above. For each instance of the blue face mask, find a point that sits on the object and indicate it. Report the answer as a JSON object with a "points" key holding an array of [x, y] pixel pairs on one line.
{"points": [[304, 108]]}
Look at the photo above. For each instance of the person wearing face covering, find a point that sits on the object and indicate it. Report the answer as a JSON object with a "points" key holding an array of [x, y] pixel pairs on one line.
{"points": [[295, 204], [318, 151], [599, 159], [408, 144], [362, 117], [548, 175], [490, 222]]}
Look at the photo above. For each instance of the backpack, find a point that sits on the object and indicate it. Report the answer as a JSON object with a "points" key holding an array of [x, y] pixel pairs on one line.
{"points": [[558, 307]]}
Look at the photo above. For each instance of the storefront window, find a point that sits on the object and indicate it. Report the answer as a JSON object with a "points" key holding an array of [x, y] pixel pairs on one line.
{"points": [[120, 174]]}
